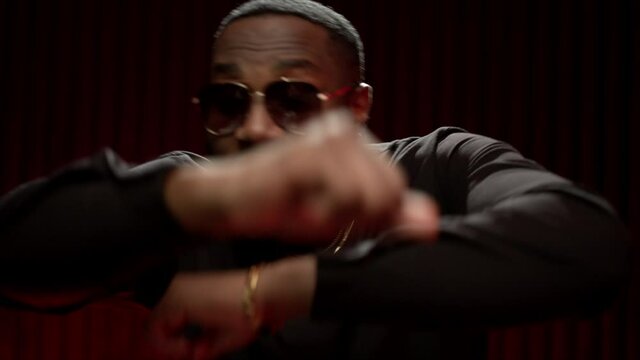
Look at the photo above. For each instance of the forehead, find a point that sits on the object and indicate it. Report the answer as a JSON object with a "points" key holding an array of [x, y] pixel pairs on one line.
{"points": [[274, 44]]}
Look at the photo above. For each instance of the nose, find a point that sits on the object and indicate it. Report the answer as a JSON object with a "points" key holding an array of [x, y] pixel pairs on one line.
{"points": [[258, 126]]}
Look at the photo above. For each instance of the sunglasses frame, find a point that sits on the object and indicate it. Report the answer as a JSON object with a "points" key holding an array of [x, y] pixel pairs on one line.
{"points": [[235, 124]]}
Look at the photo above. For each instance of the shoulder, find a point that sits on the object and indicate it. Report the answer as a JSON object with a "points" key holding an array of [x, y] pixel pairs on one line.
{"points": [[444, 142], [184, 157], [161, 164]]}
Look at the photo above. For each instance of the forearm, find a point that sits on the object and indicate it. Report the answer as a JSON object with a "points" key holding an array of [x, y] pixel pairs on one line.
{"points": [[503, 266], [96, 224], [286, 290]]}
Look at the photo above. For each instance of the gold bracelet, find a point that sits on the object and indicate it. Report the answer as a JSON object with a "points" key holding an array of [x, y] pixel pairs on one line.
{"points": [[249, 297]]}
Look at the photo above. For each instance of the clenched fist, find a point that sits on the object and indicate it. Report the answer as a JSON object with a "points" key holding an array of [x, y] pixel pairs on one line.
{"points": [[300, 188]]}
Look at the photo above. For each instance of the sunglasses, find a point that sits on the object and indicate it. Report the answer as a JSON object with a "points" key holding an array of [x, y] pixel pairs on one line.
{"points": [[290, 103]]}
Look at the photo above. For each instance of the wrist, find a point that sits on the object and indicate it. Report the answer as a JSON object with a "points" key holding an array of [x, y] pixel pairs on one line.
{"points": [[195, 197], [286, 290]]}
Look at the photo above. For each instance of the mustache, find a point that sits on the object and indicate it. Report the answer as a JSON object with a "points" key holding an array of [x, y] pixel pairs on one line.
{"points": [[244, 145], [228, 146]]}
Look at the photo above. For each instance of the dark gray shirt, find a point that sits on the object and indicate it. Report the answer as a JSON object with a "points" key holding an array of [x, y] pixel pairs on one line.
{"points": [[517, 243]]}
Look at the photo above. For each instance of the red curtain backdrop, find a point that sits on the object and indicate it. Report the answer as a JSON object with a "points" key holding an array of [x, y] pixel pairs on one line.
{"points": [[557, 79]]}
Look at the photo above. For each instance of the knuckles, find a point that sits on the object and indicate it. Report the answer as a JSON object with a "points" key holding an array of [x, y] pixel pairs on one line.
{"points": [[329, 173]]}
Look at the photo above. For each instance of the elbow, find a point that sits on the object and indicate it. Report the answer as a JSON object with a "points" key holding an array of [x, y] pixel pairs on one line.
{"points": [[593, 259], [606, 259]]}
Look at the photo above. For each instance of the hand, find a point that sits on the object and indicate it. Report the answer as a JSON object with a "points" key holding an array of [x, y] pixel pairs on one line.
{"points": [[212, 303], [299, 188], [208, 301]]}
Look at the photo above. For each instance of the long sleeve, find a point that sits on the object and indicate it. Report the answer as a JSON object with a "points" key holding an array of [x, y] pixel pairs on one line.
{"points": [[516, 243], [93, 228]]}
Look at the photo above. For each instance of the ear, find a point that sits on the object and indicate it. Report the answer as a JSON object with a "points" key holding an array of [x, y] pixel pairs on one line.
{"points": [[360, 102]]}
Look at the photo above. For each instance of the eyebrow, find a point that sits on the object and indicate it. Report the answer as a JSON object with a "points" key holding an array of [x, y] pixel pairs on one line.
{"points": [[225, 69], [296, 64], [233, 70]]}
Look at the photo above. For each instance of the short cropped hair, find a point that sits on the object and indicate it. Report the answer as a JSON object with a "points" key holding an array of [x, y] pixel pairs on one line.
{"points": [[340, 29]]}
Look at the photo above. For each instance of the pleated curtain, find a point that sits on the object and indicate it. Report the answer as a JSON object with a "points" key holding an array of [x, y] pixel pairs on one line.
{"points": [[556, 79]]}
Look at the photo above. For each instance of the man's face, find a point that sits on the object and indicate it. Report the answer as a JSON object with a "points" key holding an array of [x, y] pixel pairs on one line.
{"points": [[257, 51]]}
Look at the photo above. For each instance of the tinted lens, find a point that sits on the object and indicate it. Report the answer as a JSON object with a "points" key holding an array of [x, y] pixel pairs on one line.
{"points": [[224, 106], [291, 104]]}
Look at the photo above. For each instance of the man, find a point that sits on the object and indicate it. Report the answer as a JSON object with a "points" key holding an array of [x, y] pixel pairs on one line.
{"points": [[100, 226], [516, 243]]}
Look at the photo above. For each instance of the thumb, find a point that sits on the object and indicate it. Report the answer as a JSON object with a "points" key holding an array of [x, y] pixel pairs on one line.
{"points": [[419, 217]]}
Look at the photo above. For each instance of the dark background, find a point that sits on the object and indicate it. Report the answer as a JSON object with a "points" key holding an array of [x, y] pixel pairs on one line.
{"points": [[557, 79]]}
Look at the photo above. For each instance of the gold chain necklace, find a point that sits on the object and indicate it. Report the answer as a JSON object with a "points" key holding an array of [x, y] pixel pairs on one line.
{"points": [[341, 238]]}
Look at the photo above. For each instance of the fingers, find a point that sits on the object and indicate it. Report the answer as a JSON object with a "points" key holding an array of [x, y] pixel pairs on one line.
{"points": [[367, 188], [357, 183], [200, 316], [167, 339], [206, 347], [212, 348], [299, 188]]}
